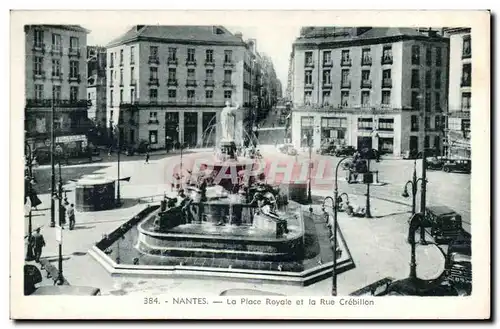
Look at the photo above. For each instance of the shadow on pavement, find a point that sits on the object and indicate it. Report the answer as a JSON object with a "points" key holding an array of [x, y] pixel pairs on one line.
{"points": [[392, 214], [83, 227], [79, 253]]}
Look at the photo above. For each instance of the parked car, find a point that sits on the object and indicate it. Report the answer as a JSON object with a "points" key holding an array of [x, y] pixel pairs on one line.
{"points": [[415, 154], [445, 223], [371, 154], [345, 151], [435, 163], [407, 287], [287, 149], [458, 262], [42, 155], [327, 148], [457, 165]]}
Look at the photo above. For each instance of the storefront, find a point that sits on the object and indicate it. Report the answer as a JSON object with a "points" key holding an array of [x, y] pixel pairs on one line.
{"points": [[306, 130], [191, 128], [333, 130]]}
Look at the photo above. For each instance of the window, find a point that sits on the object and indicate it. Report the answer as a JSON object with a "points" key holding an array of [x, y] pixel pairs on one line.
{"points": [[132, 55], [73, 93], [415, 100], [428, 56], [190, 74], [334, 122], [111, 103], [172, 93], [56, 68], [427, 122], [439, 57], [153, 95], [414, 123], [38, 38], [466, 98], [326, 98], [227, 94], [121, 56], [344, 96], [366, 58], [466, 47], [365, 75], [209, 94], [132, 95], [228, 75], [210, 74], [153, 136], [73, 69], [121, 96], [111, 78], [427, 79], [306, 130], [365, 123], [132, 75], [437, 122], [153, 116], [437, 79], [190, 54], [38, 65], [327, 57], [415, 78], [386, 74], [387, 55], [426, 142], [427, 101], [308, 97], [308, 78], [415, 55], [74, 44], [466, 75], [365, 98], [153, 73], [56, 42], [228, 56], [56, 92], [111, 59], [326, 77], [386, 79], [38, 91], [308, 58], [172, 54], [190, 95], [153, 51], [345, 57], [209, 56], [385, 124], [172, 74], [345, 76], [121, 77], [437, 102], [386, 97]]}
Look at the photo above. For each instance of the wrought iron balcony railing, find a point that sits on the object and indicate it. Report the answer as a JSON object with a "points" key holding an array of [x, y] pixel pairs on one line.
{"points": [[209, 83], [228, 64], [153, 60], [309, 85], [172, 61], [39, 47], [387, 59], [327, 85], [209, 63], [74, 52], [74, 78], [172, 82], [345, 84], [153, 82], [83, 103], [190, 62], [346, 62], [327, 63], [56, 50], [39, 75], [387, 83], [191, 83], [366, 83], [366, 61], [227, 84]]}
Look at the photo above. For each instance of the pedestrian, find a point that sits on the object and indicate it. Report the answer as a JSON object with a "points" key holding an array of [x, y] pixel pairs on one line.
{"points": [[37, 243], [70, 212], [147, 156]]}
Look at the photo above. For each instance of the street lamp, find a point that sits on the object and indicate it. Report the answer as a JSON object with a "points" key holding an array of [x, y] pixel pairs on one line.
{"points": [[309, 140], [423, 192], [414, 187], [59, 196], [52, 162], [29, 252], [118, 202]]}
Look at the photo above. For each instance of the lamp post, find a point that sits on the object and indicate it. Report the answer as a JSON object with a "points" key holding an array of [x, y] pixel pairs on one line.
{"points": [[52, 162], [423, 191], [309, 196], [118, 195], [29, 252], [60, 277], [414, 187]]}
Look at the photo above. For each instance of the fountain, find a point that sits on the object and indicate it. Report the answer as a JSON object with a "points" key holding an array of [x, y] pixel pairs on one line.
{"points": [[227, 218]]}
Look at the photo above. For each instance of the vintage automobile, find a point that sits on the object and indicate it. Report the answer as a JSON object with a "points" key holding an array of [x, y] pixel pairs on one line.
{"points": [[458, 261], [408, 287], [457, 165], [344, 151], [445, 223], [327, 148], [287, 149], [435, 163]]}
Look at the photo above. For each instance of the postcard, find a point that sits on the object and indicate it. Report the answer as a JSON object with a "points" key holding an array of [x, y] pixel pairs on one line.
{"points": [[250, 165]]}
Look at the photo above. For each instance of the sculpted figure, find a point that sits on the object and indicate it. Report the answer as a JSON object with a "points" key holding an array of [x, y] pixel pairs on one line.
{"points": [[228, 122]]}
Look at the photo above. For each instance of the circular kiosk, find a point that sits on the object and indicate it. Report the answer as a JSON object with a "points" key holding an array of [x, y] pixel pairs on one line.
{"points": [[94, 193]]}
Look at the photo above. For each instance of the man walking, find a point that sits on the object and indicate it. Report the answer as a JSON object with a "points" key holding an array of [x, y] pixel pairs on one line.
{"points": [[147, 156], [70, 212], [37, 243]]}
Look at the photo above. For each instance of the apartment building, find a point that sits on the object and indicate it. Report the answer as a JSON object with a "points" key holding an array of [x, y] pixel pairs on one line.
{"points": [[383, 88], [170, 83], [55, 75], [459, 92], [96, 85]]}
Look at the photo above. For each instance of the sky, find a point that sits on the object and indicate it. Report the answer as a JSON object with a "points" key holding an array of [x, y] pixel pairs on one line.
{"points": [[274, 41]]}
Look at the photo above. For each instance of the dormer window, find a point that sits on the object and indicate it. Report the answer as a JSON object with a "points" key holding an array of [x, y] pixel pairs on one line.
{"points": [[218, 30]]}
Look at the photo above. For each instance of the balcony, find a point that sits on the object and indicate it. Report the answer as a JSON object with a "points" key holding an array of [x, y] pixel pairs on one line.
{"points": [[309, 85], [74, 52], [153, 60], [209, 83], [172, 61], [387, 83], [153, 121], [172, 82], [83, 103], [191, 83], [38, 75], [39, 47], [327, 85], [56, 50], [153, 82], [227, 84], [386, 60], [327, 63], [175, 103], [466, 54], [228, 64], [465, 82], [366, 61], [74, 78], [191, 62], [345, 84], [56, 77], [153, 101], [133, 82], [309, 63], [366, 83], [210, 63], [346, 62]]}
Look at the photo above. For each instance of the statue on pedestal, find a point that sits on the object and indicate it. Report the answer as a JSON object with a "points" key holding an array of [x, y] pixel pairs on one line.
{"points": [[228, 122]]}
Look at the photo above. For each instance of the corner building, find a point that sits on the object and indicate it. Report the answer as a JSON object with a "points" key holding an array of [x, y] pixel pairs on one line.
{"points": [[171, 83], [383, 88]]}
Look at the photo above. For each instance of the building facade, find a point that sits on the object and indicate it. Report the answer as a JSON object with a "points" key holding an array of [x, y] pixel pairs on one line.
{"points": [[168, 84], [56, 76], [459, 93], [96, 85], [382, 88]]}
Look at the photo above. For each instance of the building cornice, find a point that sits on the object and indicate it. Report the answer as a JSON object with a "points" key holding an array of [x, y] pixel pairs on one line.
{"points": [[350, 110], [457, 30], [177, 41], [75, 28], [321, 44]]}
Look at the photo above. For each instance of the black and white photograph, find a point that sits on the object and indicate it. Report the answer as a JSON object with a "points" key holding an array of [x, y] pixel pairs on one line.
{"points": [[251, 165]]}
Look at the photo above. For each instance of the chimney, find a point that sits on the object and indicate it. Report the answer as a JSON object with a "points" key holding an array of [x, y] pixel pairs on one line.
{"points": [[239, 35], [138, 27]]}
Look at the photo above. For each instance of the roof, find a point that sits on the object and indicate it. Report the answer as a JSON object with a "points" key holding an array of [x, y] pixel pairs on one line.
{"points": [[441, 210], [340, 34], [178, 33], [77, 28]]}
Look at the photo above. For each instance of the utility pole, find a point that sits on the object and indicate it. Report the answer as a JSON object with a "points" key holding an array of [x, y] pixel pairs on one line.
{"points": [[52, 164]]}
